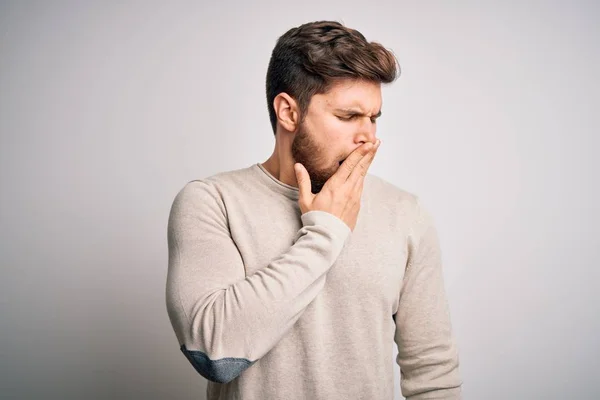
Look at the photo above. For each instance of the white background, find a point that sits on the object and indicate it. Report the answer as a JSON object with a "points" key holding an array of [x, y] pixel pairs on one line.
{"points": [[108, 108]]}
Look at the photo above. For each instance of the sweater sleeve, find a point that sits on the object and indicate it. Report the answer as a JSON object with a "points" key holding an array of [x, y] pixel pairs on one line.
{"points": [[427, 352], [223, 319]]}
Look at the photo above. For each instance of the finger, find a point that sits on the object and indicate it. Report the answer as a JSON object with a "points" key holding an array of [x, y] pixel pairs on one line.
{"points": [[358, 189], [350, 163], [303, 183], [360, 171]]}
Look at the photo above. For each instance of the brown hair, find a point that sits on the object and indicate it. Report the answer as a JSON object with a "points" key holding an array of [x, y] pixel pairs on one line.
{"points": [[307, 59]]}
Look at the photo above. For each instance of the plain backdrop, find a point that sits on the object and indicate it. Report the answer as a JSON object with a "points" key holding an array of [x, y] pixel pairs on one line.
{"points": [[108, 108]]}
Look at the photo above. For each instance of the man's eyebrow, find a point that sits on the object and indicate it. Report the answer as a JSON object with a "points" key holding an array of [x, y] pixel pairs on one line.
{"points": [[356, 111]]}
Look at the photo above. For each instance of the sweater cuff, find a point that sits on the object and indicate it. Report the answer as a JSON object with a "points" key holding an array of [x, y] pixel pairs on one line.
{"points": [[328, 220]]}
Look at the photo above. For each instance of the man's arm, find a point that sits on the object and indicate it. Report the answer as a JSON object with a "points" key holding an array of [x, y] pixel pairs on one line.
{"points": [[427, 352], [223, 319]]}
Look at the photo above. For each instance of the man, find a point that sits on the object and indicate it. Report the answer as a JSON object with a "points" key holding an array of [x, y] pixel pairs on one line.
{"points": [[294, 284]]}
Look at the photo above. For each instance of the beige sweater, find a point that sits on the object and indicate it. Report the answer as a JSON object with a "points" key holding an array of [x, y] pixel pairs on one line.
{"points": [[267, 303]]}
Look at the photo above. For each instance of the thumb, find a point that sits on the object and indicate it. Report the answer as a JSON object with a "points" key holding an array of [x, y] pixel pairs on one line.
{"points": [[303, 180]]}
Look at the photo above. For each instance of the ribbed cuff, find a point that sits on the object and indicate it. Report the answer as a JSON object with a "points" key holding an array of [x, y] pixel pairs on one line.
{"points": [[330, 221]]}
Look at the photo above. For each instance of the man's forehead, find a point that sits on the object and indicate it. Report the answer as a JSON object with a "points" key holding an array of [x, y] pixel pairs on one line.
{"points": [[354, 96], [351, 103]]}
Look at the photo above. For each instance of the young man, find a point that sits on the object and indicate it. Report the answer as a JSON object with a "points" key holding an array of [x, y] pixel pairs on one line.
{"points": [[295, 284]]}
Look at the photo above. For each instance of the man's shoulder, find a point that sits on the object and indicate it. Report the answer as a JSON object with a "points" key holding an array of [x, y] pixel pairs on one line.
{"points": [[384, 190], [397, 201], [213, 185], [227, 176]]}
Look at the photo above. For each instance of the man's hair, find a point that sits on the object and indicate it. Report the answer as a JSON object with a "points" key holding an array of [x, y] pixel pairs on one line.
{"points": [[308, 59]]}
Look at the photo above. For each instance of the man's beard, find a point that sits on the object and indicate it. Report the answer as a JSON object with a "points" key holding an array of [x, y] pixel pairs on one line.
{"points": [[308, 153]]}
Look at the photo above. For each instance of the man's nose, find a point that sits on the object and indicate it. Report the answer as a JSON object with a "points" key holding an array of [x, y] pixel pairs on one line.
{"points": [[367, 132]]}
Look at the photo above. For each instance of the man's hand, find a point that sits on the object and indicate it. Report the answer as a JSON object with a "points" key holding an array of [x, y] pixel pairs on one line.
{"points": [[341, 193]]}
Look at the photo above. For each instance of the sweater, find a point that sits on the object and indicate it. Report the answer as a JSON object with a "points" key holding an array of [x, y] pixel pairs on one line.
{"points": [[269, 303]]}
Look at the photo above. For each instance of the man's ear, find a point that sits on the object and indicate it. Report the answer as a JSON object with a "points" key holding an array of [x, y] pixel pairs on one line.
{"points": [[287, 111]]}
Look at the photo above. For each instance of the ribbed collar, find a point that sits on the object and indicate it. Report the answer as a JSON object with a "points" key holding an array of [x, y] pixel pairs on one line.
{"points": [[274, 184]]}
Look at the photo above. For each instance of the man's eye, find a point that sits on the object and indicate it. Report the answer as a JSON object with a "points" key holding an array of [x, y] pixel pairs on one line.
{"points": [[351, 117]]}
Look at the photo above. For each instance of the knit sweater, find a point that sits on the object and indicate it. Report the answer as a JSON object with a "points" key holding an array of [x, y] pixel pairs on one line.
{"points": [[269, 303]]}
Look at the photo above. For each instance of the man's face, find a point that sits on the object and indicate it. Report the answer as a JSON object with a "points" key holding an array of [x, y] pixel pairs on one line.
{"points": [[336, 123]]}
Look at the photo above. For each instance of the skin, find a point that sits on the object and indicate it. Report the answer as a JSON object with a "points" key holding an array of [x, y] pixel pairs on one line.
{"points": [[328, 135]]}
